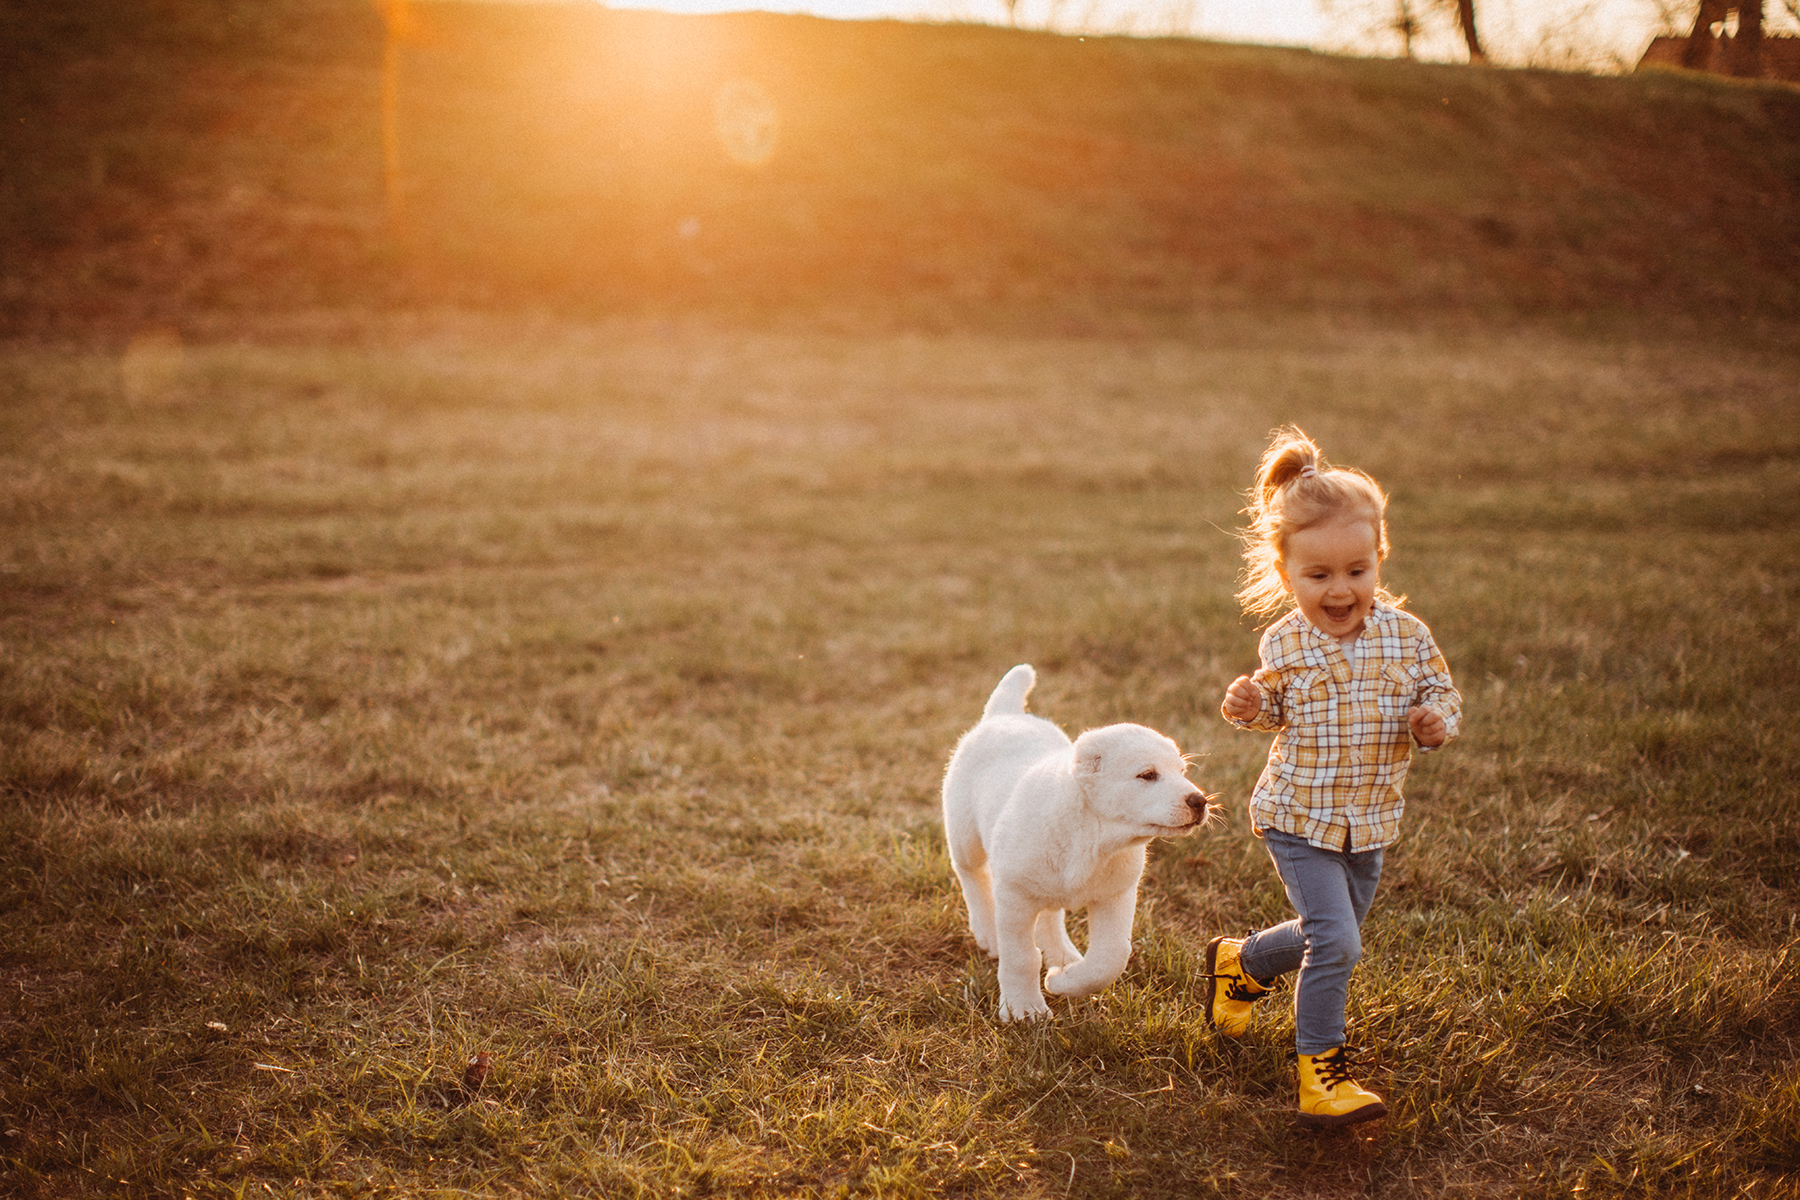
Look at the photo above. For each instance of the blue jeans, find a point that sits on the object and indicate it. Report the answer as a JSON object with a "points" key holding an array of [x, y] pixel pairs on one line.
{"points": [[1331, 891]]}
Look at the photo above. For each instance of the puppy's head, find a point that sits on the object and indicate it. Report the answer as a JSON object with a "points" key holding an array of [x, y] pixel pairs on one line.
{"points": [[1135, 777]]}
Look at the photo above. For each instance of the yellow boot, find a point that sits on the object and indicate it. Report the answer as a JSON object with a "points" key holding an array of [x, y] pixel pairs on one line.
{"points": [[1328, 1096], [1231, 993]]}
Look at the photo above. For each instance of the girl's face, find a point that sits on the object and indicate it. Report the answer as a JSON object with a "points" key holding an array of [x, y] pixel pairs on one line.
{"points": [[1332, 570]]}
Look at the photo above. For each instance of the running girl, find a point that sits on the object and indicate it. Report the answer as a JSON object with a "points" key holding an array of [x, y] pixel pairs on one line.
{"points": [[1349, 685]]}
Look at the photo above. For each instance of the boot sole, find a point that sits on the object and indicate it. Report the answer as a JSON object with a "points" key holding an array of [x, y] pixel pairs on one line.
{"points": [[1368, 1112]]}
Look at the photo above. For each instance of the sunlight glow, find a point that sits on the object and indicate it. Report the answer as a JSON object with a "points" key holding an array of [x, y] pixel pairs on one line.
{"points": [[1606, 35], [1595, 34], [1271, 22]]}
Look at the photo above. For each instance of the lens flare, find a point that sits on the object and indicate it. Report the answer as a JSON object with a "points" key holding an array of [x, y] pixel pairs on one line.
{"points": [[746, 121]]}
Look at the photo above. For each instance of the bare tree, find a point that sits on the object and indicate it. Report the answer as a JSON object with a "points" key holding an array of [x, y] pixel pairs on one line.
{"points": [[1746, 47], [1696, 55], [1465, 17], [1419, 25], [1745, 59], [1406, 24]]}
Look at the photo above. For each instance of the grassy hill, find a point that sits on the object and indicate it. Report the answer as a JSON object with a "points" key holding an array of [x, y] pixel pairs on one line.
{"points": [[200, 156]]}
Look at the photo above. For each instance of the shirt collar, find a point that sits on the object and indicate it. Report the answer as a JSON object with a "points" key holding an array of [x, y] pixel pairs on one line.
{"points": [[1379, 614]]}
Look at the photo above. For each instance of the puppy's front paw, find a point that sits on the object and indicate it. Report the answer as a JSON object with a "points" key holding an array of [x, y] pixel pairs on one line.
{"points": [[1033, 1009], [1073, 986]]}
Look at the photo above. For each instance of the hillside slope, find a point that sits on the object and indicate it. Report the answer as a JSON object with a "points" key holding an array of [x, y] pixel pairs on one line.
{"points": [[205, 155]]}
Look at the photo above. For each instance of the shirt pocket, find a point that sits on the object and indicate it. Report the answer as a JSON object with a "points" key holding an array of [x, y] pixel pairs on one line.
{"points": [[1311, 700], [1397, 689]]}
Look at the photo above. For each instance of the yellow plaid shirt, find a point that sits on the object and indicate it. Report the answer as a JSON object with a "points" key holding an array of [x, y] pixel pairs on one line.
{"points": [[1342, 744]]}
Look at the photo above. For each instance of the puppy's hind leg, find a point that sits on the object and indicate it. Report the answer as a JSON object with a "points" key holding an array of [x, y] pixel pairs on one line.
{"points": [[978, 895], [1052, 935]]}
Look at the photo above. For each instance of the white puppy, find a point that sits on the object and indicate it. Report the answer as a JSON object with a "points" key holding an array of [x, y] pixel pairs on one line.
{"points": [[1038, 825]]}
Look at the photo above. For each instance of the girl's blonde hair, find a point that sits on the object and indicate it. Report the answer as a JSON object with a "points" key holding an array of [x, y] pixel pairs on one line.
{"points": [[1294, 491]]}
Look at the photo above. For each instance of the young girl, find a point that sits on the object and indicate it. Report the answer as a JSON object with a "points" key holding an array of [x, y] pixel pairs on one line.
{"points": [[1349, 685]]}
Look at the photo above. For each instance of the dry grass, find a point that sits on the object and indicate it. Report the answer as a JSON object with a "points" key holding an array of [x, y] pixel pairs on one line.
{"points": [[580, 694]]}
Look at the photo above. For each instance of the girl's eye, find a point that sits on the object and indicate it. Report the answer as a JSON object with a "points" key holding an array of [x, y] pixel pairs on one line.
{"points": [[1149, 776]]}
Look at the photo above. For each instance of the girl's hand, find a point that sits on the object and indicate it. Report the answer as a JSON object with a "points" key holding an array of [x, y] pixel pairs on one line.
{"points": [[1242, 700], [1427, 725]]}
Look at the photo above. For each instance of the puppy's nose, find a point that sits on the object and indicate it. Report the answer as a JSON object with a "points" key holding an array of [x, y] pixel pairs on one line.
{"points": [[1197, 803]]}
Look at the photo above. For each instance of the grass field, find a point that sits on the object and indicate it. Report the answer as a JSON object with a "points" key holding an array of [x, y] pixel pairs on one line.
{"points": [[580, 693]]}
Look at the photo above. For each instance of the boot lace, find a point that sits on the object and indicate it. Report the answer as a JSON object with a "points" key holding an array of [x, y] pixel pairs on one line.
{"points": [[1334, 1066], [1236, 989]]}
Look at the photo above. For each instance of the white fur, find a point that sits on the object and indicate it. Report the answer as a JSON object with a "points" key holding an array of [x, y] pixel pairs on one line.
{"points": [[1039, 825]]}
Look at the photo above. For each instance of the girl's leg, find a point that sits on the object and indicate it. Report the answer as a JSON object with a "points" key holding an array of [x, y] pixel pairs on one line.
{"points": [[1273, 952], [1332, 892]]}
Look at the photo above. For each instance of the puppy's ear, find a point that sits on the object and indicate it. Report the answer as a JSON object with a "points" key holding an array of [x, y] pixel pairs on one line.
{"points": [[1087, 758]]}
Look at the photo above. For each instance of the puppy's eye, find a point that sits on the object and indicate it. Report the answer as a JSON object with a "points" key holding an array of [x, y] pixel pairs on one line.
{"points": [[1149, 776]]}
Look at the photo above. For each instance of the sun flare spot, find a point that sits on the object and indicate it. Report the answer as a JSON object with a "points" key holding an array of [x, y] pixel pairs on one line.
{"points": [[746, 121]]}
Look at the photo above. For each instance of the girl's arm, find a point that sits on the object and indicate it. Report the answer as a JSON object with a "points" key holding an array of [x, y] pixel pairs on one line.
{"points": [[1243, 700], [1428, 726], [1254, 702], [1436, 714]]}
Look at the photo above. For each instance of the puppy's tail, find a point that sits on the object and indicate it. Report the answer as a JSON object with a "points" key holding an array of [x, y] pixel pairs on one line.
{"points": [[1009, 696]]}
